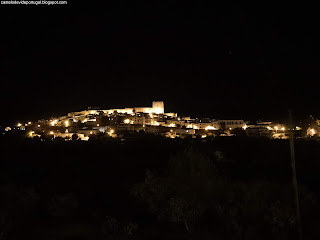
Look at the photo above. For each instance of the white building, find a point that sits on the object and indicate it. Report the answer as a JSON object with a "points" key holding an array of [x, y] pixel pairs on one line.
{"points": [[313, 131], [231, 124]]}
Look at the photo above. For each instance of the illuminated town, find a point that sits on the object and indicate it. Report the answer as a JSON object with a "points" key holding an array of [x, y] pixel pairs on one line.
{"points": [[153, 120], [159, 120]]}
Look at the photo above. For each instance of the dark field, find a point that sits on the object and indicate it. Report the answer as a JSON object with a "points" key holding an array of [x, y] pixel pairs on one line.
{"points": [[156, 188]]}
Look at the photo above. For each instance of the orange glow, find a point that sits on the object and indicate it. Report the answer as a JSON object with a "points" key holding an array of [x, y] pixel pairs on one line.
{"points": [[53, 122], [210, 128]]}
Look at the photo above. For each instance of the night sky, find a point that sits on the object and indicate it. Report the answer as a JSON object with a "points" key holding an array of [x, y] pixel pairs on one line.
{"points": [[222, 62]]}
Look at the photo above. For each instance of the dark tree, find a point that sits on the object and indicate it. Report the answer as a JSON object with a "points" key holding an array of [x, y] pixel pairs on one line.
{"points": [[74, 137]]}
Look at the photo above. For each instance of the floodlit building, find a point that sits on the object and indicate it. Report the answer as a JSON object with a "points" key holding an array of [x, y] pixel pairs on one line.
{"points": [[313, 131], [231, 124], [157, 108]]}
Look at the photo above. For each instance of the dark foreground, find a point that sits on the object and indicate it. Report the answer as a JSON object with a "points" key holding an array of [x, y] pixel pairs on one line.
{"points": [[226, 188]]}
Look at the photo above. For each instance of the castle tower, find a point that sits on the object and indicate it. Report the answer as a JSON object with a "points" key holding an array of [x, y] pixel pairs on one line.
{"points": [[158, 107]]}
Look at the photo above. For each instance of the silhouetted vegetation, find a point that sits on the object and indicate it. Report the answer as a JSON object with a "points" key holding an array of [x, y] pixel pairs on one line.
{"points": [[152, 187]]}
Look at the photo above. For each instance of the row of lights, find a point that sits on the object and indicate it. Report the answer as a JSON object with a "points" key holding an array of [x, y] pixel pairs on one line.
{"points": [[51, 132]]}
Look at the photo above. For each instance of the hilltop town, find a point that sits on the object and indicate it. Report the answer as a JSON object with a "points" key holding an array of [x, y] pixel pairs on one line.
{"points": [[153, 120]]}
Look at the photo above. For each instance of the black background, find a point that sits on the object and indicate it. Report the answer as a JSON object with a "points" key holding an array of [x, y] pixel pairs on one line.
{"points": [[231, 61]]}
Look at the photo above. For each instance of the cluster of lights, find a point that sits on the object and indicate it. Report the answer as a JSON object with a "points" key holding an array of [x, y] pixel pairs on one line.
{"points": [[210, 128], [276, 128], [53, 122], [156, 123], [111, 131], [153, 115], [313, 132]]}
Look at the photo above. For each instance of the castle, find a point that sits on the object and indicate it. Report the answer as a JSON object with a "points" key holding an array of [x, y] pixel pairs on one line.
{"points": [[148, 119], [157, 108]]}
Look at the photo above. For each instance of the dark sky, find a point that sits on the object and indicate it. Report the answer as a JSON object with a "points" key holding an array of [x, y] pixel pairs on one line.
{"points": [[230, 61]]}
